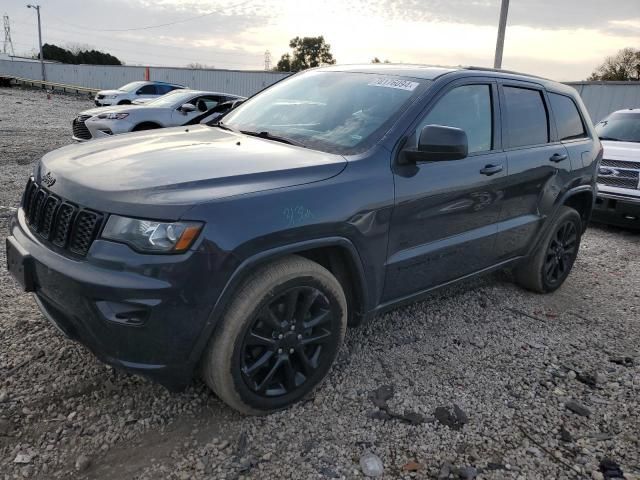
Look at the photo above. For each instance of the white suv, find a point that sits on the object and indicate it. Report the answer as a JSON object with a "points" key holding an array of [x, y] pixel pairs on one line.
{"points": [[134, 91], [618, 200]]}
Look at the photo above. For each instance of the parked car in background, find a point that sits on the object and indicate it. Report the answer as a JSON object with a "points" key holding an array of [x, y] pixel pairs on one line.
{"points": [[242, 251], [134, 91], [179, 107], [618, 200]]}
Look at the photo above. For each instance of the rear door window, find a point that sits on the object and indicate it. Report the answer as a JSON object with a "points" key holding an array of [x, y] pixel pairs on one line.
{"points": [[527, 119], [568, 120]]}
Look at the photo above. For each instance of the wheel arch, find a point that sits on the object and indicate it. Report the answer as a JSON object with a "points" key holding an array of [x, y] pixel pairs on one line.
{"points": [[150, 124], [582, 200], [338, 254]]}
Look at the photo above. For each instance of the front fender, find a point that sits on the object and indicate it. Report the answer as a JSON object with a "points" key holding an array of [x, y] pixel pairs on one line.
{"points": [[248, 265]]}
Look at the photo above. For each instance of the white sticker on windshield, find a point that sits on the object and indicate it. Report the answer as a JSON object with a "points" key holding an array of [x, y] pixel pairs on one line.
{"points": [[394, 83]]}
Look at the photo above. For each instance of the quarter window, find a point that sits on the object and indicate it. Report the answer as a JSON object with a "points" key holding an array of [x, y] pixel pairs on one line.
{"points": [[527, 121], [568, 119], [467, 107]]}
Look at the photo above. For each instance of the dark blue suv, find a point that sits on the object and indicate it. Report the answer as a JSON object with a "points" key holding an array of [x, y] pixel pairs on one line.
{"points": [[242, 250]]}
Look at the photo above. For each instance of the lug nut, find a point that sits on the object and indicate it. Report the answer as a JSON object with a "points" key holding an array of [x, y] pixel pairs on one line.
{"points": [[291, 350], [280, 337], [279, 350], [299, 337], [293, 327]]}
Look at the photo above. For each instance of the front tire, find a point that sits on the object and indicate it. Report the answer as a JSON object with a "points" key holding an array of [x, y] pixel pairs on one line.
{"points": [[278, 338], [549, 266]]}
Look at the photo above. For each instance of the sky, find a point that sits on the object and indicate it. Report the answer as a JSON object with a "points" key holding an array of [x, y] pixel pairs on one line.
{"points": [[559, 39]]}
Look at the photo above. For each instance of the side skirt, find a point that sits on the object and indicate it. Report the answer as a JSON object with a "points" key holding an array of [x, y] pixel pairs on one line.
{"points": [[385, 307]]}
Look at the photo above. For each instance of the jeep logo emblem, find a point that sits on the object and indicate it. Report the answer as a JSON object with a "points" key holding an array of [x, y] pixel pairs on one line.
{"points": [[49, 179]]}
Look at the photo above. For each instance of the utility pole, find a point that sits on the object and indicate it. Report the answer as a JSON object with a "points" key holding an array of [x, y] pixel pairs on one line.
{"points": [[37, 7], [502, 26], [8, 44]]}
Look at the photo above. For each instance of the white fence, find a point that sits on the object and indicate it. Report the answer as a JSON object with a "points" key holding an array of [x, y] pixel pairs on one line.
{"points": [[601, 98], [238, 82]]}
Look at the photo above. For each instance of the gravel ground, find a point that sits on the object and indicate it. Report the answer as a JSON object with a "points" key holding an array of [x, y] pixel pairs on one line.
{"points": [[481, 379]]}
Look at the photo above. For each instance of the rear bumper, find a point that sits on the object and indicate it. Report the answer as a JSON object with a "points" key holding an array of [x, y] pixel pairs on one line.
{"points": [[141, 313], [615, 209]]}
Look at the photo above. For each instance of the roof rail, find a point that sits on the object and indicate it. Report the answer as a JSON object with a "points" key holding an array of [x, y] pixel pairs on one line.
{"points": [[500, 70]]}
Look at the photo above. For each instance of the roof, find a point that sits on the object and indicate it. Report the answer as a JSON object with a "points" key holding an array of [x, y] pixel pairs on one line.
{"points": [[427, 72]]}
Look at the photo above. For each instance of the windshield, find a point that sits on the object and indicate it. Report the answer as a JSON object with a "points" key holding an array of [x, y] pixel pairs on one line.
{"points": [[622, 127], [130, 87], [176, 97], [335, 112]]}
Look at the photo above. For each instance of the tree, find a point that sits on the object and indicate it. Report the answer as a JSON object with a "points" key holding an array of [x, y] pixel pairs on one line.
{"points": [[92, 57], [308, 52], [623, 66], [377, 60]]}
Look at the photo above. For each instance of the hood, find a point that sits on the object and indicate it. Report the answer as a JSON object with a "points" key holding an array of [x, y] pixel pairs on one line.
{"points": [[162, 173], [111, 92], [115, 108], [629, 151]]}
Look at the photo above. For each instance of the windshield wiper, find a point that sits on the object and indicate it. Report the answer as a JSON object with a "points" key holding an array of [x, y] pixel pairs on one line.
{"points": [[221, 125], [610, 139], [275, 138]]}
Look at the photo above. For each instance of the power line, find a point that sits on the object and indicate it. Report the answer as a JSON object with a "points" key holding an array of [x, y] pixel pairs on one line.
{"points": [[8, 44], [149, 27], [267, 60]]}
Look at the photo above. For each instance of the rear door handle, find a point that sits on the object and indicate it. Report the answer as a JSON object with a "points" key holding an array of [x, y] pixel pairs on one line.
{"points": [[558, 157], [491, 169]]}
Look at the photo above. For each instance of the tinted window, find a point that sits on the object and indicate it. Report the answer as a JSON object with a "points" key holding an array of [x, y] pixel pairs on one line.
{"points": [[527, 121], [568, 119], [147, 90], [621, 127], [469, 108]]}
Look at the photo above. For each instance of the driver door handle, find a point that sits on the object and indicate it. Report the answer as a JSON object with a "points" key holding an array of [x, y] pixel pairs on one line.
{"points": [[558, 157], [491, 169]]}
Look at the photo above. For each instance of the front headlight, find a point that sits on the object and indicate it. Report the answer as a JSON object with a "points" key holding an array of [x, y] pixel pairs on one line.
{"points": [[111, 96], [113, 116], [150, 235]]}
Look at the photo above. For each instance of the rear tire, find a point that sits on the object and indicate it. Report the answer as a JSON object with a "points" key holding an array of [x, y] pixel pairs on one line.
{"points": [[278, 338], [550, 265]]}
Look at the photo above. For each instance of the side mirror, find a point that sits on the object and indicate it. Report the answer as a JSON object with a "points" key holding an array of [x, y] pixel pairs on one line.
{"points": [[187, 108], [437, 143]]}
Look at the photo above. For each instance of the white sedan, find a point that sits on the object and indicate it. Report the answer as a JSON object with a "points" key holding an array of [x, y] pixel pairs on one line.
{"points": [[180, 107], [129, 93]]}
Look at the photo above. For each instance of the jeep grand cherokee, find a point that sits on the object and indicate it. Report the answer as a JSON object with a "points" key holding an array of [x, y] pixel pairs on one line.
{"points": [[242, 250]]}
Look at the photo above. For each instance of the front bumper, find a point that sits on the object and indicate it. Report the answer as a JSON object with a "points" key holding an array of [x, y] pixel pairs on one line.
{"points": [[105, 128], [617, 209], [141, 313]]}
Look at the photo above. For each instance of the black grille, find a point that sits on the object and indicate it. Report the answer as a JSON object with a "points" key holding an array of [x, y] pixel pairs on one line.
{"points": [[100, 97], [64, 224], [83, 233], [80, 130], [619, 164]]}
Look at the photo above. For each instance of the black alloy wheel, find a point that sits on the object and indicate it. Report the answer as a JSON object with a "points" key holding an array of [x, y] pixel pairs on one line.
{"points": [[561, 253], [286, 342]]}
